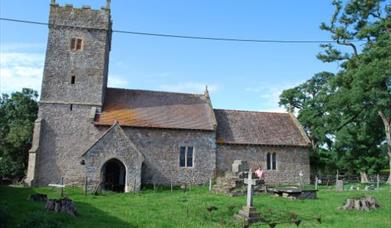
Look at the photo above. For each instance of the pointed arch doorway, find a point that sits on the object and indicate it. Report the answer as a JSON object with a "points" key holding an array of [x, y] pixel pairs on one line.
{"points": [[114, 175]]}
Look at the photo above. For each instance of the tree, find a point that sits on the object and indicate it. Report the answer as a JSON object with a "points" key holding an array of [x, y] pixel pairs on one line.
{"points": [[363, 82], [343, 114], [17, 115], [310, 99]]}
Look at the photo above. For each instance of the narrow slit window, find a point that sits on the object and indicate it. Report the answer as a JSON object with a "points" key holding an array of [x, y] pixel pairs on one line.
{"points": [[73, 43], [73, 79], [79, 44], [268, 158], [274, 161], [182, 156], [71, 107], [189, 156]]}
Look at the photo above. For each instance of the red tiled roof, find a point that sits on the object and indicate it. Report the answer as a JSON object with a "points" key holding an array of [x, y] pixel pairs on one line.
{"points": [[140, 108], [259, 128]]}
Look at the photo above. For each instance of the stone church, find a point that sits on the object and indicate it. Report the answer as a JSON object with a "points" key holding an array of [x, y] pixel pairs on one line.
{"points": [[120, 139]]}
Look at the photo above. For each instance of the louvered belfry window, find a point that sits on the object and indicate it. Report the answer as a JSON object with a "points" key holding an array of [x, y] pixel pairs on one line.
{"points": [[76, 44]]}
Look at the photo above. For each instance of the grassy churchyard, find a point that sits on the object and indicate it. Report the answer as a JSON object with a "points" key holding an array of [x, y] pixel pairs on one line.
{"points": [[163, 208]]}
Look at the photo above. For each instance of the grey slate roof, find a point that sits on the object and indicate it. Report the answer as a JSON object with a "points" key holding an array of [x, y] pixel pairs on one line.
{"points": [[155, 109], [259, 128]]}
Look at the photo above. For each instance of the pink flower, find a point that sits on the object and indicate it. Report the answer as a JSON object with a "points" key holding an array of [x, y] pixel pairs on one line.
{"points": [[260, 173]]}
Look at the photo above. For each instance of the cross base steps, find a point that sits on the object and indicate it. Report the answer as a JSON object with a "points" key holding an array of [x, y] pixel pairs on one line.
{"points": [[249, 214]]}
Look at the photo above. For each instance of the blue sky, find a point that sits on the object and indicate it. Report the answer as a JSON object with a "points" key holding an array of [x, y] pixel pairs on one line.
{"points": [[246, 76]]}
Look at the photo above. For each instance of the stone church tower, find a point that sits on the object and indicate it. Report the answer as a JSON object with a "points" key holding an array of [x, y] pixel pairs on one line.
{"points": [[73, 91]]}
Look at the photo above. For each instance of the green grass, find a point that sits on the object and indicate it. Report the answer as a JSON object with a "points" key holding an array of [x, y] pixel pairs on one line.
{"points": [[178, 209]]}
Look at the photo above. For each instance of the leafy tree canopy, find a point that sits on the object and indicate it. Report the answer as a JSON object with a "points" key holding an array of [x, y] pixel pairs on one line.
{"points": [[17, 115], [349, 116]]}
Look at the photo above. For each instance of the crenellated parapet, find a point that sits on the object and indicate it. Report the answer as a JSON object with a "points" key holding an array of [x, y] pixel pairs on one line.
{"points": [[84, 17]]}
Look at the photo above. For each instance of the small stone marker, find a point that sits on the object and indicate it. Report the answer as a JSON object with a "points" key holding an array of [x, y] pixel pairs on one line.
{"points": [[339, 186], [210, 184], [301, 180], [377, 182], [248, 212]]}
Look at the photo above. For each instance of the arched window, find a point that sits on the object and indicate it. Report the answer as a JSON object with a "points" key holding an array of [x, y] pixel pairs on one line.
{"points": [[271, 161]]}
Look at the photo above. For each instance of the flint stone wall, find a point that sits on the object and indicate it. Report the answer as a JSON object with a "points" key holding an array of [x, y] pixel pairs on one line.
{"points": [[160, 148], [290, 160], [65, 136]]}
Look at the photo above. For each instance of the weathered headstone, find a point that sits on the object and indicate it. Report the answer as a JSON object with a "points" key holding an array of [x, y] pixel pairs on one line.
{"points": [[301, 180], [232, 183], [339, 186], [239, 166], [248, 212], [377, 182]]}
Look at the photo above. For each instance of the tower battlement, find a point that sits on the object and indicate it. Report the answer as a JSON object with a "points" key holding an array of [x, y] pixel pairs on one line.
{"points": [[84, 17], [77, 55]]}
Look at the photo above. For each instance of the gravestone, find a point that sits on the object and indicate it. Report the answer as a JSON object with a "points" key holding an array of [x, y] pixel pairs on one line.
{"points": [[301, 180], [239, 166], [339, 186], [232, 183], [377, 181], [248, 212]]}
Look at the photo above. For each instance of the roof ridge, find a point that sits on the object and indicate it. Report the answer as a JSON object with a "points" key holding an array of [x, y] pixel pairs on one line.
{"points": [[237, 110], [100, 137], [158, 91]]}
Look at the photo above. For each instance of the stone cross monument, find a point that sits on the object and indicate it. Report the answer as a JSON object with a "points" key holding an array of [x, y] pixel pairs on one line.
{"points": [[248, 212], [250, 183]]}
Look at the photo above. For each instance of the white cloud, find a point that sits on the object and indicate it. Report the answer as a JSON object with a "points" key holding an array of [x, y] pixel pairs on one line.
{"points": [[17, 47], [189, 87], [20, 70], [117, 81], [269, 95]]}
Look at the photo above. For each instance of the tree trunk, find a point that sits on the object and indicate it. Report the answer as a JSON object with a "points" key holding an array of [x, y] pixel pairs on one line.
{"points": [[387, 128], [363, 177], [362, 204]]}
